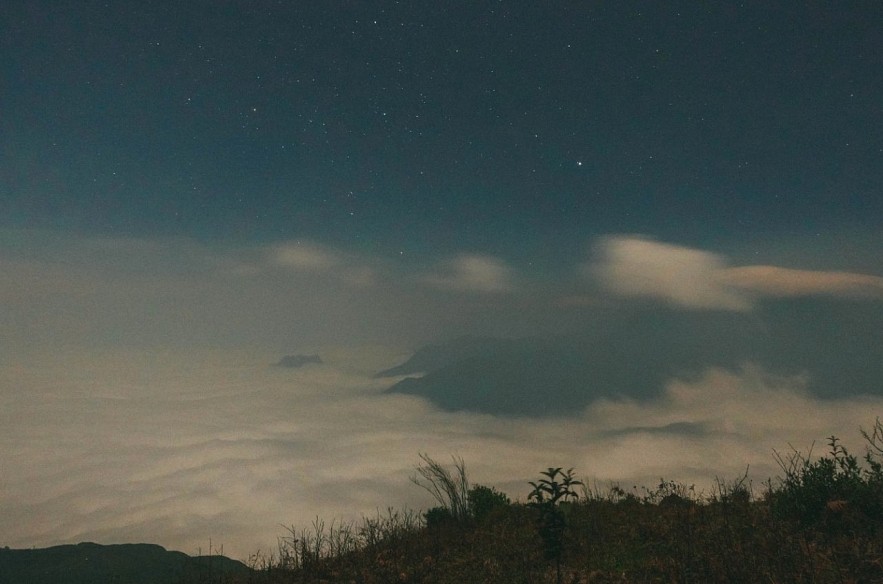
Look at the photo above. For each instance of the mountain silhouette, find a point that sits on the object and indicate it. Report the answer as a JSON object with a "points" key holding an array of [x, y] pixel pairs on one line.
{"points": [[837, 345], [89, 563]]}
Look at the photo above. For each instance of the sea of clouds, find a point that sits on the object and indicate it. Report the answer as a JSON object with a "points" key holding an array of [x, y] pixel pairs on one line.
{"points": [[139, 403], [183, 448]]}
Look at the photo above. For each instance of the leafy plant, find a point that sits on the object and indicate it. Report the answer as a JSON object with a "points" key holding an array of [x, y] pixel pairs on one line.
{"points": [[546, 496], [556, 486]]}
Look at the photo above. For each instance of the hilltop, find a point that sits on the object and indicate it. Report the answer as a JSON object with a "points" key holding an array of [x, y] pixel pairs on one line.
{"points": [[90, 563]]}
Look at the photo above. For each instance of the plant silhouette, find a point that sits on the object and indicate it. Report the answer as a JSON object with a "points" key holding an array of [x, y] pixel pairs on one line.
{"points": [[547, 493]]}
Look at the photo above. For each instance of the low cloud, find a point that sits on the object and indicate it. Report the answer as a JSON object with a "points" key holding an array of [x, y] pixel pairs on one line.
{"points": [[775, 281], [66, 289], [636, 267], [683, 276], [472, 273], [317, 259], [308, 257], [179, 447]]}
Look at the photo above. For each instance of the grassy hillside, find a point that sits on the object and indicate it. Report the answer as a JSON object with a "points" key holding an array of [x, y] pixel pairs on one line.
{"points": [[820, 521]]}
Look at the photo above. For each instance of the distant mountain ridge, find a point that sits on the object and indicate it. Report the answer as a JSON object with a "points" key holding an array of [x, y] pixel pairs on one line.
{"points": [[838, 345], [92, 563], [436, 356]]}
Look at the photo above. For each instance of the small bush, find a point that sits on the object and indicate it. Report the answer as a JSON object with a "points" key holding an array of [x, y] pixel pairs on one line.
{"points": [[437, 517], [809, 486], [484, 500]]}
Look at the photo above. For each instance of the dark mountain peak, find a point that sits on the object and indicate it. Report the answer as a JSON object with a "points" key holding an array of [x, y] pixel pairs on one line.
{"points": [[435, 356], [835, 347]]}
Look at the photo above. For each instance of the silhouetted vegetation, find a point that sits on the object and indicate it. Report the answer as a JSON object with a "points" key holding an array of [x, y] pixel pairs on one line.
{"points": [[820, 521], [547, 497], [450, 490]]}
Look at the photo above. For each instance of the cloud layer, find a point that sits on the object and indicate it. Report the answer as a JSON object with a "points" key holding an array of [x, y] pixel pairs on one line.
{"points": [[178, 448], [137, 402], [68, 290]]}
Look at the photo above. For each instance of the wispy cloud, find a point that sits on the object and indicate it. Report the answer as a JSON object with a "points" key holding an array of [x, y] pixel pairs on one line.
{"points": [[636, 267], [472, 273], [306, 256], [131, 291], [776, 281]]}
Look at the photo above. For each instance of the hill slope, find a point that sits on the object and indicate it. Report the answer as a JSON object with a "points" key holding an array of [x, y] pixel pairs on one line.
{"points": [[90, 563]]}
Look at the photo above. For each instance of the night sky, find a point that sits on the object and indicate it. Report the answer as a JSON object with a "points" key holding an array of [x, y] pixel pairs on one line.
{"points": [[683, 199], [432, 127]]}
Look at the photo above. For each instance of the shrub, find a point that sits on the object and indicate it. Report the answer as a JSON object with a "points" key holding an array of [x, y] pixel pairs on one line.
{"points": [[438, 517], [874, 454], [809, 489], [484, 500]]}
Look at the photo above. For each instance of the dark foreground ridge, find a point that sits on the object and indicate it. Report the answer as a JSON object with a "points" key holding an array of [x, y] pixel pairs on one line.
{"points": [[91, 563]]}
